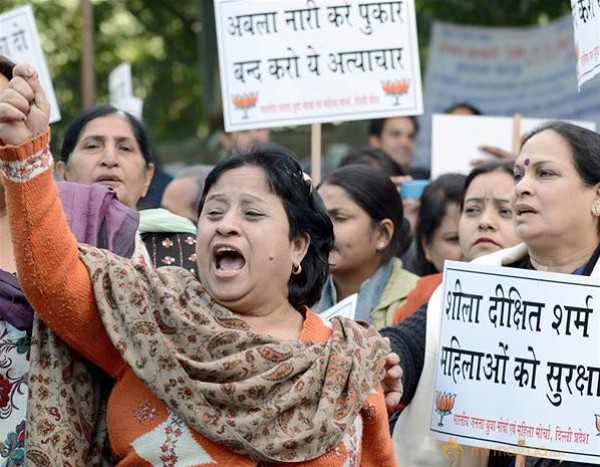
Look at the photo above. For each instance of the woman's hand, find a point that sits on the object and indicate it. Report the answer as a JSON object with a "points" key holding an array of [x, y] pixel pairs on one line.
{"points": [[24, 109], [499, 153], [392, 382]]}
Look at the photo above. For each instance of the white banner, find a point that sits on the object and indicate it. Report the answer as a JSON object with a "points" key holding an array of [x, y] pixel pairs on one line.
{"points": [[20, 42], [456, 139], [307, 61], [503, 71], [519, 359], [586, 24]]}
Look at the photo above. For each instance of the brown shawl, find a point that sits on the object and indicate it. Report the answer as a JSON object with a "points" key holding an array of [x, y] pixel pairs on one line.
{"points": [[66, 407], [67, 395], [267, 399]]}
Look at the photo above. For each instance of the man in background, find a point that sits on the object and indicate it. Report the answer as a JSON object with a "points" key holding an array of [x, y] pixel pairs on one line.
{"points": [[397, 137], [182, 195]]}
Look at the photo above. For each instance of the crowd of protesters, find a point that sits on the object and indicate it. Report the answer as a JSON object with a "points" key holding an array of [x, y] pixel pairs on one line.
{"points": [[191, 334]]}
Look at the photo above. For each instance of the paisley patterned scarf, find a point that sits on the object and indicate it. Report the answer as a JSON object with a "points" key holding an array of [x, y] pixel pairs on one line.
{"points": [[67, 395], [268, 399]]}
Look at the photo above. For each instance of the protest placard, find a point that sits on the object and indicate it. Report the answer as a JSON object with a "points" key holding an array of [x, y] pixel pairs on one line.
{"points": [[456, 139], [518, 359], [586, 26], [503, 71], [20, 42], [297, 62], [344, 309], [119, 83], [121, 91]]}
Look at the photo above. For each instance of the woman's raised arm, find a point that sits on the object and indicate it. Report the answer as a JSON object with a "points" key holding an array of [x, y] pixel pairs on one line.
{"points": [[50, 272]]}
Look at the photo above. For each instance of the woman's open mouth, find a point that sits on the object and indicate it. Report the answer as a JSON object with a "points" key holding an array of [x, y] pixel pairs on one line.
{"points": [[109, 180], [522, 209], [228, 261]]}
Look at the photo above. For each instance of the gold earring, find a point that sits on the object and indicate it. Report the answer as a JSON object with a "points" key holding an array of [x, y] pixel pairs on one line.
{"points": [[596, 210], [296, 269]]}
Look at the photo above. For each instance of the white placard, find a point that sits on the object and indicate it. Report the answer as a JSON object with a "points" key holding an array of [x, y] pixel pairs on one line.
{"points": [[133, 105], [121, 91], [308, 61], [503, 71], [586, 25], [519, 358], [119, 83], [19, 41], [345, 308], [456, 139]]}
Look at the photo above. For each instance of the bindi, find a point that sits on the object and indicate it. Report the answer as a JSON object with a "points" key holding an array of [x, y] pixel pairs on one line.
{"points": [[527, 162]]}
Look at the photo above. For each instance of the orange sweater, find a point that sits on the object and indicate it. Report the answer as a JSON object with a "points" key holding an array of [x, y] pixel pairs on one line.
{"points": [[142, 430], [419, 296]]}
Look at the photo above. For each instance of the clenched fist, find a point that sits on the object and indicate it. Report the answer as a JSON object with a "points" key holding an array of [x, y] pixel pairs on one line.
{"points": [[24, 109]]}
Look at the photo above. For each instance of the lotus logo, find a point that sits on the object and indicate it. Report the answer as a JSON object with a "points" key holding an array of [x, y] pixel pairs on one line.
{"points": [[396, 89], [245, 102], [444, 403]]}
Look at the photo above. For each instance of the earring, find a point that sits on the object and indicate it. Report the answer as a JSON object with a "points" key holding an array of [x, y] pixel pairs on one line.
{"points": [[380, 246], [596, 210], [296, 269]]}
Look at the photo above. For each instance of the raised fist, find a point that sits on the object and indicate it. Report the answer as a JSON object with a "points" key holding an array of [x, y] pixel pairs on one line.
{"points": [[24, 109]]}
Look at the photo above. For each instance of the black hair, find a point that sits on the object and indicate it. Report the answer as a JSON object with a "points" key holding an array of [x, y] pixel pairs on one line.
{"points": [[463, 105], [73, 131], [436, 198], [489, 167], [376, 125], [584, 144], [304, 208], [373, 157], [379, 198]]}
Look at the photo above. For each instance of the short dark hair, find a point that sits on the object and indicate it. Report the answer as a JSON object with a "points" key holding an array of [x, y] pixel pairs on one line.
{"points": [[379, 198], [373, 157], [463, 105], [73, 131], [376, 125], [584, 144], [489, 167], [304, 208], [436, 197]]}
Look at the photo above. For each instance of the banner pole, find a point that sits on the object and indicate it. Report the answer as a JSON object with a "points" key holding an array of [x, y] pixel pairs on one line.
{"points": [[88, 78], [521, 459], [315, 153], [516, 134]]}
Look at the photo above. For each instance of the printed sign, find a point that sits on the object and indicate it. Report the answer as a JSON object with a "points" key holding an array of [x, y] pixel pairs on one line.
{"points": [[586, 25], [345, 309], [121, 91], [20, 42], [456, 139], [297, 62], [503, 71], [528, 341]]}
